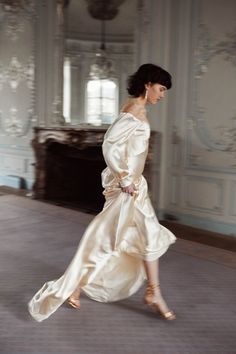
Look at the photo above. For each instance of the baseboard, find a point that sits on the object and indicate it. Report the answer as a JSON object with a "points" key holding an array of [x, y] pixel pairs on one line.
{"points": [[202, 223], [15, 182], [202, 236]]}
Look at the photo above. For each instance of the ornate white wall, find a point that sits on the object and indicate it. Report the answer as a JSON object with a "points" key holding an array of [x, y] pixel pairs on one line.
{"points": [[30, 83], [196, 41], [202, 174], [17, 92]]}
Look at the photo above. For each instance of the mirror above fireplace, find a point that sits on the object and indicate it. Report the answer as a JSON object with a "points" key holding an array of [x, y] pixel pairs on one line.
{"points": [[95, 32]]}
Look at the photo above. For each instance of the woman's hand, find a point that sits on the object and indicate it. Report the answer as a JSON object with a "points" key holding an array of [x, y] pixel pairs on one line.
{"points": [[129, 189]]}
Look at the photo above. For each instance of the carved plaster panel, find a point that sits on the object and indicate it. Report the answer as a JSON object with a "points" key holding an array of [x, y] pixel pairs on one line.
{"points": [[17, 70], [212, 129], [13, 125], [11, 17], [204, 194], [174, 191]]}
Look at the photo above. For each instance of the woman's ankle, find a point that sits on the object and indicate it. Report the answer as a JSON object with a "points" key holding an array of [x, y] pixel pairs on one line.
{"points": [[76, 293]]}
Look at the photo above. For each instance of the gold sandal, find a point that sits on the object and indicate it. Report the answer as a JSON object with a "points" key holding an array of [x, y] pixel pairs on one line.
{"points": [[148, 299], [75, 303]]}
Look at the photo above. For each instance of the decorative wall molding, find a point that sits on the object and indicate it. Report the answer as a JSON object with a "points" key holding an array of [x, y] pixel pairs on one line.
{"points": [[16, 73], [202, 52], [207, 49], [80, 47], [16, 166], [13, 125], [58, 37], [228, 47], [211, 197], [199, 182], [57, 117], [14, 27], [11, 17], [17, 69], [96, 37], [174, 190]]}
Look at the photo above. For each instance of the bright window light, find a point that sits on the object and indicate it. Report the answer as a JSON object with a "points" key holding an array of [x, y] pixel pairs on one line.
{"points": [[67, 90], [101, 101]]}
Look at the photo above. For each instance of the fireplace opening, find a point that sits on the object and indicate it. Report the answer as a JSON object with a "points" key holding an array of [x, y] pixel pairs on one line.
{"points": [[69, 163], [73, 177]]}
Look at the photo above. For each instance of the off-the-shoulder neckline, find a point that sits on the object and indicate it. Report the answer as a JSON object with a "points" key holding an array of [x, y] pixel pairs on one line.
{"points": [[133, 116]]}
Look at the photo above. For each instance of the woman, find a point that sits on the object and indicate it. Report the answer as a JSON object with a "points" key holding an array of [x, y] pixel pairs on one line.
{"points": [[122, 245]]}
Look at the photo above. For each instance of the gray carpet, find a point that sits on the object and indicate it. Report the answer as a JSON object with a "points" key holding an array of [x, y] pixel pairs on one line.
{"points": [[37, 241]]}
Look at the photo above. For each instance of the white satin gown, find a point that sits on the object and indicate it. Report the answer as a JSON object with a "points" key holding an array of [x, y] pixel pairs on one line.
{"points": [[108, 265]]}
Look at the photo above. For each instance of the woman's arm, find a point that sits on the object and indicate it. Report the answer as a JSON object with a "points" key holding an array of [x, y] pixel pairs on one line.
{"points": [[115, 150]]}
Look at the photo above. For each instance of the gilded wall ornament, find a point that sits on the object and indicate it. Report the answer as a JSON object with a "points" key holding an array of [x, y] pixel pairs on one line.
{"points": [[13, 125], [57, 117], [12, 13], [15, 73], [13, 27], [228, 47], [205, 51], [16, 119]]}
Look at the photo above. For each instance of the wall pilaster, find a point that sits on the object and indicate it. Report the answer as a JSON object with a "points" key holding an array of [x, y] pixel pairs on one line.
{"points": [[49, 63]]}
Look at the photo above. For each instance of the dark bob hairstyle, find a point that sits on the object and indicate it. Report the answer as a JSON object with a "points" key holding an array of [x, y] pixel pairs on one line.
{"points": [[147, 73]]}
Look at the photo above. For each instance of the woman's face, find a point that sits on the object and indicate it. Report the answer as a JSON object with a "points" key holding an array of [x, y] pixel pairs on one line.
{"points": [[155, 92]]}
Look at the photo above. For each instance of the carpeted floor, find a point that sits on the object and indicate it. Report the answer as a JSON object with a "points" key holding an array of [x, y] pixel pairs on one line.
{"points": [[37, 241]]}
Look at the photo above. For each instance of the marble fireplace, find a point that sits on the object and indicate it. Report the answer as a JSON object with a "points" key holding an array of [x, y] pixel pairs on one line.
{"points": [[69, 163]]}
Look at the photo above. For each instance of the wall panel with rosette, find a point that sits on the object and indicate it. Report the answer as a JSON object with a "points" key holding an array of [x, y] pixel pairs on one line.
{"points": [[201, 185], [31, 64], [17, 92]]}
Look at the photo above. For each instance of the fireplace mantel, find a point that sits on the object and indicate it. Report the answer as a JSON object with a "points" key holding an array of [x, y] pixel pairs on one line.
{"points": [[81, 143], [80, 137]]}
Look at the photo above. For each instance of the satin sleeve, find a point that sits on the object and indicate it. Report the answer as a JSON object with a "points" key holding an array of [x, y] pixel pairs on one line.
{"points": [[115, 146]]}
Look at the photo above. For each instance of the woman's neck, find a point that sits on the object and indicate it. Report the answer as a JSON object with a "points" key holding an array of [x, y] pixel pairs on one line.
{"points": [[136, 102], [136, 106], [141, 101]]}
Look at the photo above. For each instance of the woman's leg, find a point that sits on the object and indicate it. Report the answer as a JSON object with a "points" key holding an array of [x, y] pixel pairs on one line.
{"points": [[76, 293], [152, 271]]}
